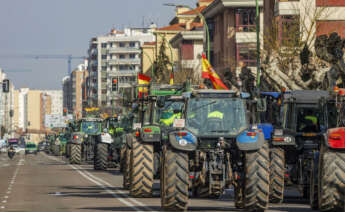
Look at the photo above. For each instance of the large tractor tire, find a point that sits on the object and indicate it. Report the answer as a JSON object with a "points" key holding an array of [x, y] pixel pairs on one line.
{"points": [[141, 169], [331, 180], [257, 179], [101, 157], [277, 171], [75, 157], [122, 159], [174, 180], [313, 197], [68, 150], [239, 195], [126, 169]]}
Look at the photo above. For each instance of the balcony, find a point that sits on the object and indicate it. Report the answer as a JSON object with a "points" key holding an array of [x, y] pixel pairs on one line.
{"points": [[123, 73], [124, 50], [286, 8], [245, 37], [135, 61]]}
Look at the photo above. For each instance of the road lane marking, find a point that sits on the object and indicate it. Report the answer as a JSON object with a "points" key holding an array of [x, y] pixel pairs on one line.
{"points": [[105, 187], [119, 191]]}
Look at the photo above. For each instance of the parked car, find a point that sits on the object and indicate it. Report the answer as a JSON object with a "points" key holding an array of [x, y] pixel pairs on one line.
{"points": [[30, 148]]}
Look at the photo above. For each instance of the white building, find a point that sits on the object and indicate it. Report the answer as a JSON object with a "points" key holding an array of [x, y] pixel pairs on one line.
{"points": [[56, 101], [115, 56]]}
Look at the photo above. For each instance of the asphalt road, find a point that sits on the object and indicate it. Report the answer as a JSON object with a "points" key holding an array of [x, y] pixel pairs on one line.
{"points": [[46, 183]]}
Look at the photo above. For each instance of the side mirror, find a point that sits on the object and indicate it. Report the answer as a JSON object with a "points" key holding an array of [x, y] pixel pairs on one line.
{"points": [[161, 101], [261, 105]]}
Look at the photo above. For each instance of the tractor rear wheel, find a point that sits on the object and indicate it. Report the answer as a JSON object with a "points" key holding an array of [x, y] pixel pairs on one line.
{"points": [[174, 180], [331, 180], [257, 176], [141, 171], [126, 168], [277, 171], [75, 157], [101, 156]]}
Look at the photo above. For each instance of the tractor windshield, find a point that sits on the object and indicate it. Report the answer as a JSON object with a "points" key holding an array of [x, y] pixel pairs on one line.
{"points": [[309, 118], [166, 115], [90, 127], [212, 116]]}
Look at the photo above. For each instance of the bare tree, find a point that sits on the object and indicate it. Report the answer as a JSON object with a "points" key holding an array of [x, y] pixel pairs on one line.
{"points": [[291, 61]]}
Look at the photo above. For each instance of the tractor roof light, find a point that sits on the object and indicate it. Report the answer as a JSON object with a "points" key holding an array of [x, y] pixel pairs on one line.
{"points": [[342, 92], [336, 89]]}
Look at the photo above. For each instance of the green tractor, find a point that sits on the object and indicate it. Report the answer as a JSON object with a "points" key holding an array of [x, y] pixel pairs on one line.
{"points": [[108, 145], [158, 113], [81, 144]]}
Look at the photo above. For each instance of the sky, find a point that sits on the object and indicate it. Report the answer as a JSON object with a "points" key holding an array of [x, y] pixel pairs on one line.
{"points": [[65, 27]]}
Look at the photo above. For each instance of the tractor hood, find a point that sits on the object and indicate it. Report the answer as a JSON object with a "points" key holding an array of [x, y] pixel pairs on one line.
{"points": [[336, 138]]}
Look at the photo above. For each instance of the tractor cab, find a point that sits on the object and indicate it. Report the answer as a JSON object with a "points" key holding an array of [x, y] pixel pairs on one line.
{"points": [[296, 141], [212, 145]]}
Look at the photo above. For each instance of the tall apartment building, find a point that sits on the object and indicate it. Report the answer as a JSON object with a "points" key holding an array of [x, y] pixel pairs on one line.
{"points": [[114, 56], [67, 94], [20, 109], [54, 102], [74, 90], [6, 108]]}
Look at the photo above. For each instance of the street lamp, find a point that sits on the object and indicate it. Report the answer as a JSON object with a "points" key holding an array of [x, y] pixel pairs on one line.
{"points": [[202, 18]]}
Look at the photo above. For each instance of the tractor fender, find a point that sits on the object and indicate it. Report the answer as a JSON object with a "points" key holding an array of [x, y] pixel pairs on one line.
{"points": [[105, 138], [154, 135], [247, 142], [188, 142]]}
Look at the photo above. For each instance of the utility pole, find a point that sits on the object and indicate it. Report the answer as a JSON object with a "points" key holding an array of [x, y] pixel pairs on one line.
{"points": [[257, 20]]}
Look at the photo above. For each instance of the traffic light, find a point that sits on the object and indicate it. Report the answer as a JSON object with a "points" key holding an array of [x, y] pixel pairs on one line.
{"points": [[114, 84], [5, 85]]}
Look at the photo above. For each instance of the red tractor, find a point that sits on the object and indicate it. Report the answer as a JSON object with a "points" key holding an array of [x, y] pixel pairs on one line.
{"points": [[330, 171]]}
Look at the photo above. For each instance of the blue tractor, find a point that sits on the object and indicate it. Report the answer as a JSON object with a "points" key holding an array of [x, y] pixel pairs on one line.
{"points": [[216, 144]]}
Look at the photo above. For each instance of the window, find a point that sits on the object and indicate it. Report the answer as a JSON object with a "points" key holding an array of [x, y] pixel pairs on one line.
{"points": [[132, 56], [245, 20], [246, 53], [104, 45], [104, 79], [122, 67], [104, 103], [211, 28], [122, 44], [187, 50], [122, 56], [104, 56], [132, 44], [289, 30], [104, 91], [111, 45], [104, 68]]}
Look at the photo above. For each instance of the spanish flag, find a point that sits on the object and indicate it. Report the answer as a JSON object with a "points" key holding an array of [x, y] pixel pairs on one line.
{"points": [[209, 73], [171, 78], [143, 80]]}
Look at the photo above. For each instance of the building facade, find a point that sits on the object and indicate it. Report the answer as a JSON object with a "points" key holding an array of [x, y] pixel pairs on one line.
{"points": [[116, 56], [232, 30]]}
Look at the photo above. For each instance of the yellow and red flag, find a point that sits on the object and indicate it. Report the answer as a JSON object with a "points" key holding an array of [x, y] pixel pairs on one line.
{"points": [[209, 73], [143, 80], [171, 78]]}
